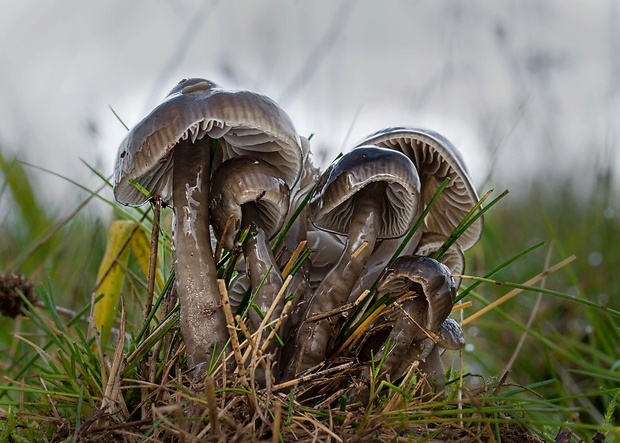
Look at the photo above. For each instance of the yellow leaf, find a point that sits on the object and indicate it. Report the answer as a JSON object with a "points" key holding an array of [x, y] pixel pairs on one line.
{"points": [[141, 248], [111, 275]]}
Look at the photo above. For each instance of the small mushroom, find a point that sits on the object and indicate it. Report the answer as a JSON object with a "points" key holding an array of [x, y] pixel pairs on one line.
{"points": [[169, 153], [367, 194], [421, 316], [436, 158], [246, 191], [450, 337]]}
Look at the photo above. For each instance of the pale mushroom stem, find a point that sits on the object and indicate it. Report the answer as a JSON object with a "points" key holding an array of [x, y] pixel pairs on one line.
{"points": [[432, 368], [408, 342], [313, 338], [266, 281], [261, 266], [202, 319]]}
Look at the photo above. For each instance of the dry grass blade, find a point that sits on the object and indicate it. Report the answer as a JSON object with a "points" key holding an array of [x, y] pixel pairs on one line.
{"points": [[152, 258], [340, 310], [313, 375], [276, 301], [216, 431], [112, 402], [220, 245], [530, 320], [516, 291], [232, 330], [461, 306], [276, 325], [291, 262]]}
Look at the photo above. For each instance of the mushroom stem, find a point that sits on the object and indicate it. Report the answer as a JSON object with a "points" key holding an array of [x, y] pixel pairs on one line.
{"points": [[266, 281], [313, 338], [202, 320], [261, 266], [432, 368], [408, 342]]}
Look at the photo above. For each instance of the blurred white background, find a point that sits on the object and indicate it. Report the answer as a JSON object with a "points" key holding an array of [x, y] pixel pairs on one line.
{"points": [[524, 88]]}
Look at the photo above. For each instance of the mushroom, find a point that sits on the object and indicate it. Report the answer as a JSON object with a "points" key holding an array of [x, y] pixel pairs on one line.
{"points": [[435, 159], [421, 318], [250, 192], [367, 194], [247, 192], [169, 153], [450, 337]]}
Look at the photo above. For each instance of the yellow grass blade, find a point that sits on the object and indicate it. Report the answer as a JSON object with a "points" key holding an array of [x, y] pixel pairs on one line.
{"points": [[141, 248], [111, 275], [516, 291]]}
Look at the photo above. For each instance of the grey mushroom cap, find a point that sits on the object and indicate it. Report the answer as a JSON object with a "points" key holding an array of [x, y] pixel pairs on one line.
{"points": [[331, 205], [241, 122], [426, 277], [247, 181], [436, 158], [451, 335]]}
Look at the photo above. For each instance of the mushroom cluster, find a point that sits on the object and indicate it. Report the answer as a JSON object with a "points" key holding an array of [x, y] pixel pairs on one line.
{"points": [[234, 170]]}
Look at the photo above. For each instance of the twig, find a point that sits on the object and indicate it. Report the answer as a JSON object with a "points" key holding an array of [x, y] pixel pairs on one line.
{"points": [[230, 323], [216, 432], [295, 381], [340, 310], [152, 259], [300, 247]]}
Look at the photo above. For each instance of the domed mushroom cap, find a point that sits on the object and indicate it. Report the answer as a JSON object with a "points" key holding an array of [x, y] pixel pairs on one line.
{"points": [[331, 205], [426, 277], [451, 335], [242, 122], [435, 159], [247, 181]]}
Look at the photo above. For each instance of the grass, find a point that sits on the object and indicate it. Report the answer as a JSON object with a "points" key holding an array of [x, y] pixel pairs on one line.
{"points": [[543, 362]]}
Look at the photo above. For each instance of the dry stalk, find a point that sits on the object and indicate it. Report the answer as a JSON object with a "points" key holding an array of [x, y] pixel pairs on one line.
{"points": [[344, 308], [152, 258], [312, 375], [272, 308], [291, 262], [112, 401], [516, 291], [220, 244], [216, 431], [232, 331], [277, 423]]}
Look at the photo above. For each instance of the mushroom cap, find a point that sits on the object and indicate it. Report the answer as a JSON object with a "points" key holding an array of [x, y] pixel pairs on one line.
{"points": [[453, 258], [332, 203], [451, 335], [436, 158], [247, 180], [428, 278], [241, 122]]}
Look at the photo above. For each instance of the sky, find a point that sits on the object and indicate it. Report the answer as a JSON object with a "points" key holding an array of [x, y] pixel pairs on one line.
{"points": [[526, 89]]}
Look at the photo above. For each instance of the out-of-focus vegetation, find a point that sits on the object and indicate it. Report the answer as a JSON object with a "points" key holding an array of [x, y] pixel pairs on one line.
{"points": [[573, 347], [569, 355]]}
